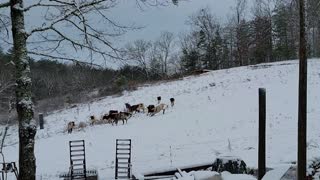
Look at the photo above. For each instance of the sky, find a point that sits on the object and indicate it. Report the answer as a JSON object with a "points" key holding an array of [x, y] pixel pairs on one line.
{"points": [[155, 20], [166, 18]]}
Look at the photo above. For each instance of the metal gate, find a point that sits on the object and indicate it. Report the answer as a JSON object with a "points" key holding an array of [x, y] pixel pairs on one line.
{"points": [[77, 159], [123, 159]]}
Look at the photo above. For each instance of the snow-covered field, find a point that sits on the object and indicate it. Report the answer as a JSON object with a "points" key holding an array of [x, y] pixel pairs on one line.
{"points": [[211, 110]]}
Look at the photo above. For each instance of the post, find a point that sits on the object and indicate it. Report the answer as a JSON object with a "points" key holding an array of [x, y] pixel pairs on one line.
{"points": [[262, 134], [302, 104], [41, 121]]}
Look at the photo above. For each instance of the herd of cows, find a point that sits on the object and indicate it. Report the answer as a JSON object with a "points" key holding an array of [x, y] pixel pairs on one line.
{"points": [[114, 116]]}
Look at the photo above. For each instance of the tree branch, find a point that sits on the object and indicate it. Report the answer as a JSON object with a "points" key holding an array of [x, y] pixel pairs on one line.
{"points": [[64, 58], [66, 15], [5, 4], [4, 23], [42, 5]]}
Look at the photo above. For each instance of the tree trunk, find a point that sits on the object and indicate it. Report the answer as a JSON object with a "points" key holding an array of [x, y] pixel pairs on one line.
{"points": [[24, 105], [302, 109]]}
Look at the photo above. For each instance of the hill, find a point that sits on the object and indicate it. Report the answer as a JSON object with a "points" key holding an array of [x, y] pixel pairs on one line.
{"points": [[211, 110]]}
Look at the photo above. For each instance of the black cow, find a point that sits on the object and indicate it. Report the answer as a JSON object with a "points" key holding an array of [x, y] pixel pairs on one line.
{"points": [[172, 102]]}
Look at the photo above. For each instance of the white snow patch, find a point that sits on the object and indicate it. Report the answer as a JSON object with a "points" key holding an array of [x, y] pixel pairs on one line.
{"points": [[229, 176], [276, 173]]}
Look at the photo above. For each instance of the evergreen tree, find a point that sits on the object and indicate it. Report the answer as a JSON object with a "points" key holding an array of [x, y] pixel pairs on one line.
{"points": [[283, 49], [262, 32], [190, 61]]}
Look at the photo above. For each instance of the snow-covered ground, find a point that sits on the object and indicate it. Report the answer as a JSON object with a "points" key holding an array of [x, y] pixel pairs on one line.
{"points": [[211, 110]]}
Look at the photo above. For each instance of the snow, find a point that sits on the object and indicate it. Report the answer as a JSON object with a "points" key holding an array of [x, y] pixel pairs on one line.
{"points": [[197, 175], [26, 103], [276, 173], [228, 176], [205, 175], [18, 6], [196, 130], [226, 159]]}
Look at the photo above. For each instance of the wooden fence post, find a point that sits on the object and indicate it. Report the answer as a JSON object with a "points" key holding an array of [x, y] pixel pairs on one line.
{"points": [[41, 121], [302, 102], [262, 134]]}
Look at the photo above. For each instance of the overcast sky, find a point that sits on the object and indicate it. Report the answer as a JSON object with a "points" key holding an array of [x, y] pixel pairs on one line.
{"points": [[154, 19], [170, 18], [165, 18]]}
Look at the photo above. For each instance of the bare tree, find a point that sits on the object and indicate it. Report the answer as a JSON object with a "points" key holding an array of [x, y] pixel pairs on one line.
{"points": [[65, 23], [262, 27], [207, 29], [164, 47], [241, 44], [139, 52], [6, 87], [175, 63]]}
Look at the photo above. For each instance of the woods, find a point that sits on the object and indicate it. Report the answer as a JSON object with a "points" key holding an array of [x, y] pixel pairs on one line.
{"points": [[270, 35], [266, 31]]}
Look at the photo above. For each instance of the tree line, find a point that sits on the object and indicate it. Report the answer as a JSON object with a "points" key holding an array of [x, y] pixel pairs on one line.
{"points": [[60, 83], [268, 31]]}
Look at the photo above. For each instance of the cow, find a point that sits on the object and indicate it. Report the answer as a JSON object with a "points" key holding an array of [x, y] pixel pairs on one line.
{"points": [[113, 111], [105, 118], [135, 108], [123, 116], [151, 109], [160, 107], [172, 102], [112, 115], [70, 127], [159, 99], [93, 120]]}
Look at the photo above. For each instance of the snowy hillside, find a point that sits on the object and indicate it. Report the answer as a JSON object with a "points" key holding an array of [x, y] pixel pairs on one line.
{"points": [[211, 109]]}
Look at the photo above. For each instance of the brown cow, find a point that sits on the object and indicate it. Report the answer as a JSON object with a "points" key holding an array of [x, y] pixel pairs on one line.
{"points": [[123, 116], [134, 108], [160, 107], [110, 117], [70, 127]]}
